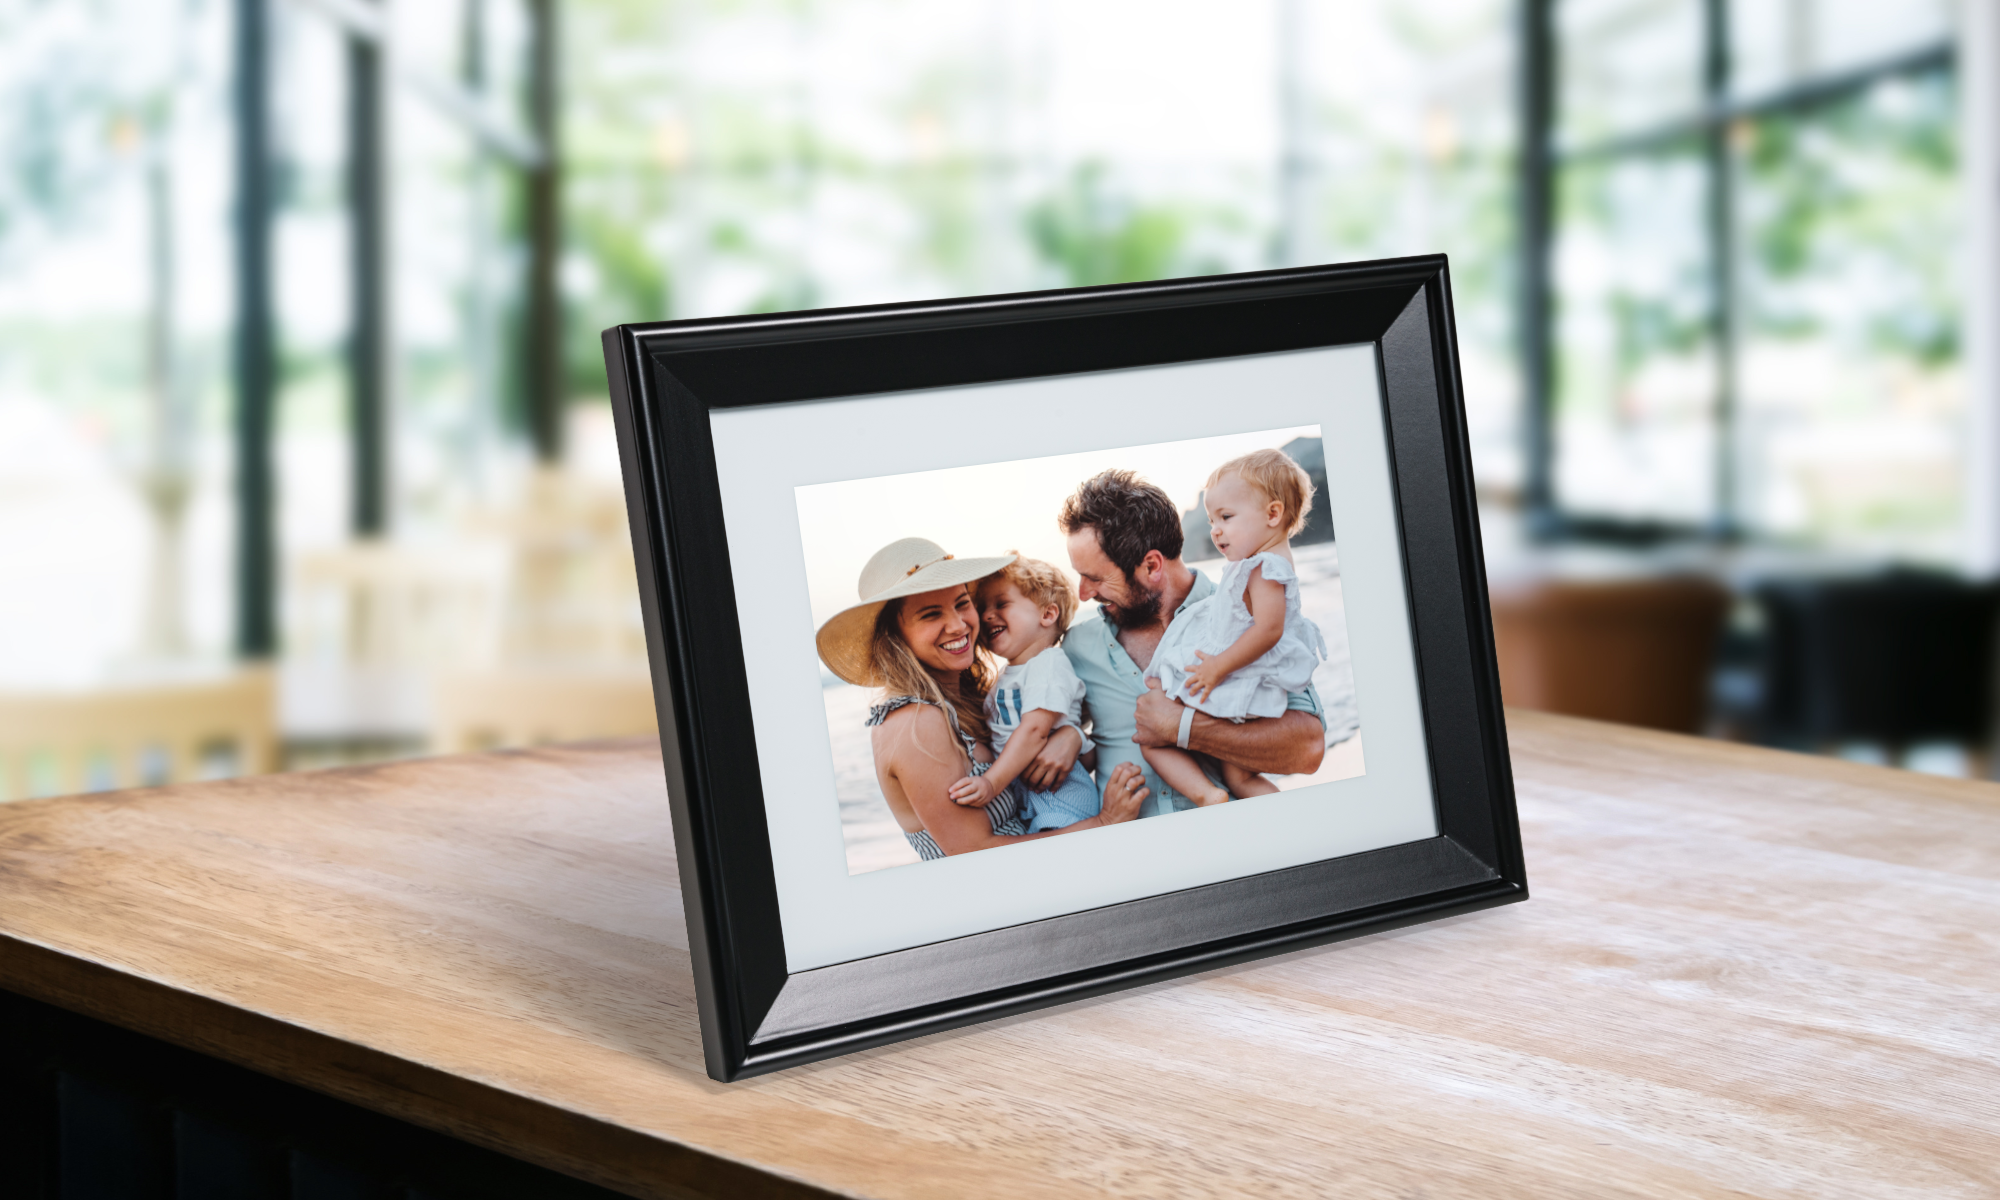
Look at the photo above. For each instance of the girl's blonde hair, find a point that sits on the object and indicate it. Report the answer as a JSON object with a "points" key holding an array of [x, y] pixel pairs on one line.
{"points": [[1040, 582], [902, 674], [1273, 473]]}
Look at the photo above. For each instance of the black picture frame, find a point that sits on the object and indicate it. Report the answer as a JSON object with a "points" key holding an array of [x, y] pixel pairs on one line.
{"points": [[666, 379]]}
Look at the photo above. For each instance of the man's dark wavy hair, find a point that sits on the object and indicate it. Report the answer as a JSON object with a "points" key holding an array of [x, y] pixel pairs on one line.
{"points": [[1130, 516]]}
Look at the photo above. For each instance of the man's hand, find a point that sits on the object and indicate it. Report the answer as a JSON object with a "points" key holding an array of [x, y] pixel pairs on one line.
{"points": [[1123, 793], [1203, 677], [973, 790], [1052, 765], [1157, 720]]}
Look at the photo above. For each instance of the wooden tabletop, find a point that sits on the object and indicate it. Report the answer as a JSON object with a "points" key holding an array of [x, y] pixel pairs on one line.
{"points": [[1742, 973]]}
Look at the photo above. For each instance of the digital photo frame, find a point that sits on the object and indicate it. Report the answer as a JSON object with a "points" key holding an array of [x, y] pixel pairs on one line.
{"points": [[831, 512]]}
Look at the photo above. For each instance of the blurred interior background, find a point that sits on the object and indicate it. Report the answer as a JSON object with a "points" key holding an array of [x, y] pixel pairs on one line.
{"points": [[306, 458]]}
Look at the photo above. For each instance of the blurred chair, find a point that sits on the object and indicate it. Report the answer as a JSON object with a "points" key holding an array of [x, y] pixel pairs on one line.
{"points": [[573, 593], [139, 736], [528, 706], [383, 603], [572, 642], [1636, 651], [1897, 658]]}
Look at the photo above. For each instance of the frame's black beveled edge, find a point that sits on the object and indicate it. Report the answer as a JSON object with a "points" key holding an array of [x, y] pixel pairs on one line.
{"points": [[997, 961], [1133, 972], [871, 320], [1484, 660], [1079, 337], [1451, 629], [744, 877], [726, 998], [638, 462]]}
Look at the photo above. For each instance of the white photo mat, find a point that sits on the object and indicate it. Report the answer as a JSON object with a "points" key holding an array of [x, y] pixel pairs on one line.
{"points": [[763, 453]]}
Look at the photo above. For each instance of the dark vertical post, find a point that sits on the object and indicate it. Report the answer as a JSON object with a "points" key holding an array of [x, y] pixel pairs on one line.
{"points": [[1536, 184], [256, 542], [472, 46], [1721, 222], [368, 358], [543, 334]]}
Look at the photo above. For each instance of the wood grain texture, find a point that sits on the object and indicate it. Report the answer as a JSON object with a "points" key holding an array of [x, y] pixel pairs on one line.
{"points": [[1742, 973]]}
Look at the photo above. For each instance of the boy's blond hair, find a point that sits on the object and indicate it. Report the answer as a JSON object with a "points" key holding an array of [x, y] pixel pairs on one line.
{"points": [[1041, 583], [1273, 473]]}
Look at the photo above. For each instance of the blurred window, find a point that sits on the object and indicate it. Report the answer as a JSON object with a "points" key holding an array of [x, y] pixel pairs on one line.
{"points": [[1753, 318], [728, 156], [120, 239], [1626, 66], [713, 157]]}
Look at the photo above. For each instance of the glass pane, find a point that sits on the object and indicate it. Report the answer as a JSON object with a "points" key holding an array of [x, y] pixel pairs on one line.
{"points": [[1850, 371], [1624, 66], [1777, 43], [1408, 148], [446, 299], [115, 308], [1635, 365]]}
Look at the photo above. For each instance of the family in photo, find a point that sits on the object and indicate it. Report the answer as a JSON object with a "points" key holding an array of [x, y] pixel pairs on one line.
{"points": [[1002, 717]]}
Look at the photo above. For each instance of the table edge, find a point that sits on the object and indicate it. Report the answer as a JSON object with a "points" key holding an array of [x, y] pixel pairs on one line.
{"points": [[604, 1153]]}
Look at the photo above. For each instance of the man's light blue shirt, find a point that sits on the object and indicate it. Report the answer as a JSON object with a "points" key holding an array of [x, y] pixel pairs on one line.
{"points": [[1112, 684]]}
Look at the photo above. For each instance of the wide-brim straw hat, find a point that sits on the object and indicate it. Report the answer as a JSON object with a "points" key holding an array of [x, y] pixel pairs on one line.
{"points": [[906, 568]]}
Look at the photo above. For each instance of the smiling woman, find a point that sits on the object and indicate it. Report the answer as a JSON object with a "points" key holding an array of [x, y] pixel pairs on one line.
{"points": [[915, 635]]}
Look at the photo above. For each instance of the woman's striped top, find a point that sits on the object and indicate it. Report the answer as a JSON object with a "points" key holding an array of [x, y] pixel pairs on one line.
{"points": [[1003, 814]]}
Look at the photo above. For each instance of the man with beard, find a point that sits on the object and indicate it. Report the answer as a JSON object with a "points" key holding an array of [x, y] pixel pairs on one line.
{"points": [[1125, 544]]}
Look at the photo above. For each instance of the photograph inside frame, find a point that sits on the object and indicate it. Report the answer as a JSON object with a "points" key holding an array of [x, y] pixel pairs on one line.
{"points": [[991, 638]]}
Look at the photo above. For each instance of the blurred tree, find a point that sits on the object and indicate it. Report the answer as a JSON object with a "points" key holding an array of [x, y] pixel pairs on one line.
{"points": [[943, 182], [64, 121], [1657, 299], [626, 281], [624, 169], [1863, 190], [1092, 234]]}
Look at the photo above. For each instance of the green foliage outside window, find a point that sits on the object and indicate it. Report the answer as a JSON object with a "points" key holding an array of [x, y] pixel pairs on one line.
{"points": [[1864, 192]]}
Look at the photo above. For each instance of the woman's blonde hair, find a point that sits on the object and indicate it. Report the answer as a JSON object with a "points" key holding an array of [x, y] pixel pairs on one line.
{"points": [[903, 674], [1040, 582], [1273, 473]]}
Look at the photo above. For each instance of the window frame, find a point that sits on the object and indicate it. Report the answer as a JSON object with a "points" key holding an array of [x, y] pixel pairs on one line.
{"points": [[1540, 165]]}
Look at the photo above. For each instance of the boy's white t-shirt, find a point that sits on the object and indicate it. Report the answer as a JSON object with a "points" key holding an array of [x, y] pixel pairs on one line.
{"points": [[1046, 681]]}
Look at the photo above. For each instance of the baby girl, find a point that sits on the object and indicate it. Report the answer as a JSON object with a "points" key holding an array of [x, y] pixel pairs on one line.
{"points": [[1239, 651], [1024, 609]]}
